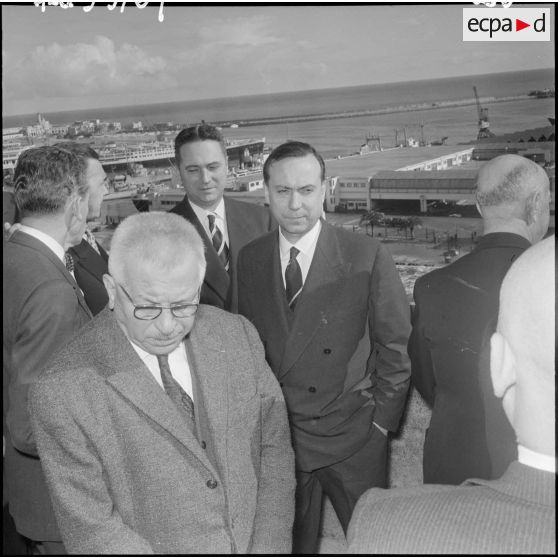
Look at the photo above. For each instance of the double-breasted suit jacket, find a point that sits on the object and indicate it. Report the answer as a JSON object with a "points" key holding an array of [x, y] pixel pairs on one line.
{"points": [[455, 315], [126, 473], [89, 268], [245, 222], [43, 309], [341, 356], [514, 515]]}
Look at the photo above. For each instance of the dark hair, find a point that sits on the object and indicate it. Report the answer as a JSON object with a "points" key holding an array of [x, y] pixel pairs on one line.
{"points": [[83, 150], [199, 132], [292, 149], [45, 178]]}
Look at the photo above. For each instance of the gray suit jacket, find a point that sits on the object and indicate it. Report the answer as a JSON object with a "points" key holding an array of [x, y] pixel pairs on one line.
{"points": [[43, 308], [127, 475], [515, 514]]}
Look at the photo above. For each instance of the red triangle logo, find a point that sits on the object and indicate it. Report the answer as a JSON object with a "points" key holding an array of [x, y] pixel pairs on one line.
{"points": [[519, 25]]}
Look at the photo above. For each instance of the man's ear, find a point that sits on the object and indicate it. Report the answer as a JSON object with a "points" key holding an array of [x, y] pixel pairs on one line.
{"points": [[533, 207], [502, 365], [110, 286]]}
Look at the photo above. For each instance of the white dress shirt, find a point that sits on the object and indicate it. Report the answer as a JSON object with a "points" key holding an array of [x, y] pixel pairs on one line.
{"points": [[307, 247], [178, 364], [536, 460], [220, 219]]}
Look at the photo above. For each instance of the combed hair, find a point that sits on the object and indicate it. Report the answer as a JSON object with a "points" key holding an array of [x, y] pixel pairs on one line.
{"points": [[156, 238], [516, 185], [199, 132], [45, 178], [83, 150], [292, 149]]}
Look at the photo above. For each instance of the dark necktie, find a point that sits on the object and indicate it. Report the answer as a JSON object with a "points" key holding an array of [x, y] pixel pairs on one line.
{"points": [[218, 242], [69, 261], [90, 238], [293, 278], [178, 396]]}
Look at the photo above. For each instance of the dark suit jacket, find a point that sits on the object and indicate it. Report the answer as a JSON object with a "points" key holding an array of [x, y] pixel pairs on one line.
{"points": [[455, 314], [43, 308], [342, 362], [515, 515], [89, 268], [126, 473], [245, 222]]}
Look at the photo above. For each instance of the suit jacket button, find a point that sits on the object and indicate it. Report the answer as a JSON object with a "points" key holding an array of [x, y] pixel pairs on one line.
{"points": [[280, 384], [211, 483], [312, 389], [203, 444], [327, 351]]}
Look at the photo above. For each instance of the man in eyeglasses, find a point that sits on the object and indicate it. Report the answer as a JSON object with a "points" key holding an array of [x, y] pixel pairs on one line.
{"points": [[160, 425]]}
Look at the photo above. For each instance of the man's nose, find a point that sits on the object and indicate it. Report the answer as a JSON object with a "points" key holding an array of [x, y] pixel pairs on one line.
{"points": [[205, 176], [165, 321], [294, 200]]}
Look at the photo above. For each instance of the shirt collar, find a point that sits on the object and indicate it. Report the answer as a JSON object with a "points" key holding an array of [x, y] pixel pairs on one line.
{"points": [[45, 239], [303, 244], [536, 460], [202, 213], [146, 357]]}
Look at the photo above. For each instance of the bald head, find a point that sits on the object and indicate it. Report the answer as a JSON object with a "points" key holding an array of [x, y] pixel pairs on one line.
{"points": [[522, 349], [513, 196]]}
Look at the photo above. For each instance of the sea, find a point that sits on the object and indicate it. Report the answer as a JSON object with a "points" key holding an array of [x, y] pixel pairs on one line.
{"points": [[341, 136]]}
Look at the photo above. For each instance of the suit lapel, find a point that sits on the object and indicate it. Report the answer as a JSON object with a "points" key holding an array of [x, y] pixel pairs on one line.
{"points": [[316, 297], [216, 278], [271, 291], [89, 260], [30, 242], [238, 227], [209, 369], [131, 378]]}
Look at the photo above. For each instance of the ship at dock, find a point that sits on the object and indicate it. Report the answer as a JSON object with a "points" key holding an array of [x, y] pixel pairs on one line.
{"points": [[241, 153]]}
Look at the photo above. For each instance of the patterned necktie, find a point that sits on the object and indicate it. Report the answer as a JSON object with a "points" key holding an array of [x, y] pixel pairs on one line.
{"points": [[178, 396], [69, 261], [218, 242], [293, 278], [90, 237]]}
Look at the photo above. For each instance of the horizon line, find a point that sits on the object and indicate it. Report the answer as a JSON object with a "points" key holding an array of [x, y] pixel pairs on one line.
{"points": [[105, 107]]}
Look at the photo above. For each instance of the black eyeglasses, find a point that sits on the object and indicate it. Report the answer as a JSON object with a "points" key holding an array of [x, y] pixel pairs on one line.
{"points": [[150, 312]]}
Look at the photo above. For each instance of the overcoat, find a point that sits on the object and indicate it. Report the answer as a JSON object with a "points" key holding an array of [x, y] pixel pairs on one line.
{"points": [[513, 515], [455, 315], [126, 473]]}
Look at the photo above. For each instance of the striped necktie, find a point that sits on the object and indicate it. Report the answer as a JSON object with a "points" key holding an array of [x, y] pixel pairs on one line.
{"points": [[69, 261], [174, 390], [293, 278], [90, 238], [218, 242]]}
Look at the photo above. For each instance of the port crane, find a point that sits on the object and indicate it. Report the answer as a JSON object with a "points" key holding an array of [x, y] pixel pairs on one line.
{"points": [[484, 124]]}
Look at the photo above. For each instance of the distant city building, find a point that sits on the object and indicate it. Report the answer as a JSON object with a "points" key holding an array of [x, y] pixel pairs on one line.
{"points": [[137, 125]]}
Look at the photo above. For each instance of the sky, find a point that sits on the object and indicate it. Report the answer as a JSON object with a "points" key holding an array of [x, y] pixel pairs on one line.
{"points": [[66, 59]]}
